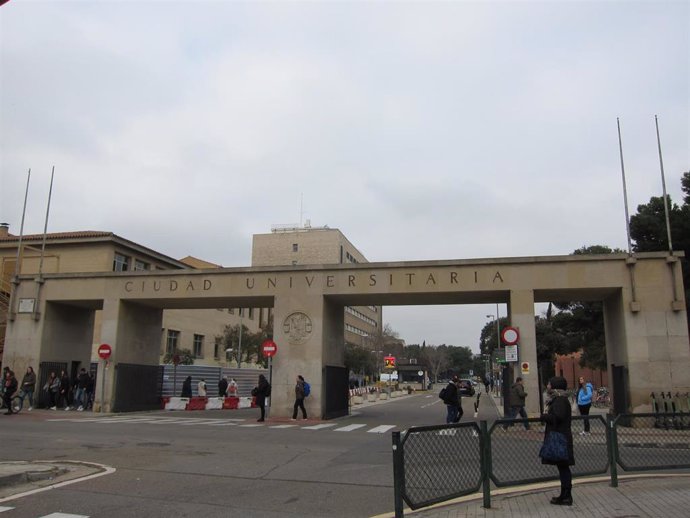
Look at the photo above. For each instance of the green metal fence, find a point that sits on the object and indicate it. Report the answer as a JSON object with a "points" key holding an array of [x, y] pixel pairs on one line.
{"points": [[433, 464]]}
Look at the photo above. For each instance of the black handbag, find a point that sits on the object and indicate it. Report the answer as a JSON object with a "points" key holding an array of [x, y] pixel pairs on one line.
{"points": [[555, 447]]}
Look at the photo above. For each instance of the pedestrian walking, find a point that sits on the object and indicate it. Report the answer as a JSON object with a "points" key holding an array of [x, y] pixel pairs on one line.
{"points": [[90, 386], [187, 387], [487, 385], [64, 390], [261, 392], [52, 387], [583, 397], [558, 438], [516, 401], [300, 394], [451, 397], [201, 388], [223, 386], [10, 387], [80, 394], [28, 387]]}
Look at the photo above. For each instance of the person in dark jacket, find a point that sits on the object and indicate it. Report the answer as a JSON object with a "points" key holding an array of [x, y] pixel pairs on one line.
{"points": [[557, 419], [453, 402], [517, 396], [187, 387], [262, 391], [10, 386], [64, 390], [222, 386], [28, 387], [299, 399]]}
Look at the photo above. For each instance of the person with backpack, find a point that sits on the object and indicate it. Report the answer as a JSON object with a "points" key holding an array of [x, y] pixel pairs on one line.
{"points": [[451, 397], [261, 392], [302, 390]]}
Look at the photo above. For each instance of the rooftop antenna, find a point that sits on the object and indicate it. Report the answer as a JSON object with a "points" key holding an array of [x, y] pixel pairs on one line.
{"points": [[301, 207]]}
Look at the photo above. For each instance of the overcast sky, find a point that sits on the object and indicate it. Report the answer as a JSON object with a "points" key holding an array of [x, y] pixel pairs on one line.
{"points": [[422, 130]]}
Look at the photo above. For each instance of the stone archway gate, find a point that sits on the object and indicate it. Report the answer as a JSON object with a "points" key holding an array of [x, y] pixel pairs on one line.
{"points": [[645, 319]]}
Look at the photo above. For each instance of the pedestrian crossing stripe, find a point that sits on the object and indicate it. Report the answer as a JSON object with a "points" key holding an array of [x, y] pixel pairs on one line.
{"points": [[381, 429], [3, 509], [349, 428], [64, 515], [190, 421]]}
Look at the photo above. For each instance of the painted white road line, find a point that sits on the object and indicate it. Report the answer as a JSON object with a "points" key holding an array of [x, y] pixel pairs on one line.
{"points": [[349, 428], [222, 424], [250, 425], [318, 426], [3, 509], [280, 426], [64, 515], [199, 421], [381, 429]]}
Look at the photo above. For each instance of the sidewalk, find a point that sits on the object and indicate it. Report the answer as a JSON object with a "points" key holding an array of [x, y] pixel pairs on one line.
{"points": [[21, 477], [654, 496]]}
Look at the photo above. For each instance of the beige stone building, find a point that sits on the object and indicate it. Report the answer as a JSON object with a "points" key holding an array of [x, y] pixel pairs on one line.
{"points": [[92, 252], [289, 245]]}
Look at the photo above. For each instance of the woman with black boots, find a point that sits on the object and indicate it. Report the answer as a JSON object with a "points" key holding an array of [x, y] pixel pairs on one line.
{"points": [[557, 419]]}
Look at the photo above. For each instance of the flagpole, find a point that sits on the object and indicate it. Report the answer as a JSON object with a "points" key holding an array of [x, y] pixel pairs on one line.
{"points": [[17, 264], [666, 211], [663, 185], [39, 279], [630, 260], [625, 188]]}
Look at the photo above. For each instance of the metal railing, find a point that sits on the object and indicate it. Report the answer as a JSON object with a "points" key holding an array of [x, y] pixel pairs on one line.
{"points": [[432, 464]]}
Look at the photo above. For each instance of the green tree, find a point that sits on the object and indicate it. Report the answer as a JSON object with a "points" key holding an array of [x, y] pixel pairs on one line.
{"points": [[648, 230], [250, 349], [186, 356]]}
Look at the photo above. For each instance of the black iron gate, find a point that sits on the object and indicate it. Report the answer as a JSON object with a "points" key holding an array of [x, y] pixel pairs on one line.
{"points": [[44, 370], [335, 381], [137, 387]]}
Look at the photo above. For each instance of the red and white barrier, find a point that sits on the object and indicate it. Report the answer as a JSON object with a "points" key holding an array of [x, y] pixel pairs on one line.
{"points": [[203, 403]]}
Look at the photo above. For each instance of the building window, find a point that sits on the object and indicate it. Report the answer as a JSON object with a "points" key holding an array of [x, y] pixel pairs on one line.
{"points": [[251, 313], [141, 265], [171, 341], [294, 247], [198, 346], [216, 349], [231, 311], [241, 312], [121, 263], [294, 263]]}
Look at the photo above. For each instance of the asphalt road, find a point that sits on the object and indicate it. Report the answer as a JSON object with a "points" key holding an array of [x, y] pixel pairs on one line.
{"points": [[220, 463]]}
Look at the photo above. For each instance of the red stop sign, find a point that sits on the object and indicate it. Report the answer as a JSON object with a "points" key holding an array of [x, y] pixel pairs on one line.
{"points": [[104, 351], [269, 348]]}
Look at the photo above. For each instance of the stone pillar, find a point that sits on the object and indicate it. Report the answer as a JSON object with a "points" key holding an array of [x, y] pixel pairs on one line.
{"points": [[134, 334], [308, 331], [521, 316]]}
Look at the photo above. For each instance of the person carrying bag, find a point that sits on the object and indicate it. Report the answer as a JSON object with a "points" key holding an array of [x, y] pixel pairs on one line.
{"points": [[557, 449]]}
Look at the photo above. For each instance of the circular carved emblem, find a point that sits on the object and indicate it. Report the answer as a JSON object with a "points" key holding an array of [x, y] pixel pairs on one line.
{"points": [[297, 327]]}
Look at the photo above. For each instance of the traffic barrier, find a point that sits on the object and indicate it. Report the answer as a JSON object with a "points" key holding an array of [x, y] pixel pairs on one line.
{"points": [[197, 403], [214, 403], [357, 400], [176, 403], [231, 403]]}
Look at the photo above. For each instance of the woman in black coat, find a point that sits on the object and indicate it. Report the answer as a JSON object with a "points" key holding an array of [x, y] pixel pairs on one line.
{"points": [[557, 419], [262, 391], [187, 387]]}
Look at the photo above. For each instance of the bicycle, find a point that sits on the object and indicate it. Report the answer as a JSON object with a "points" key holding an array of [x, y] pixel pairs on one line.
{"points": [[15, 402], [602, 399]]}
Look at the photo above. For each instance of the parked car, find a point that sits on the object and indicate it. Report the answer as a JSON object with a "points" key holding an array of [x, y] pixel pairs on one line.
{"points": [[466, 388]]}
